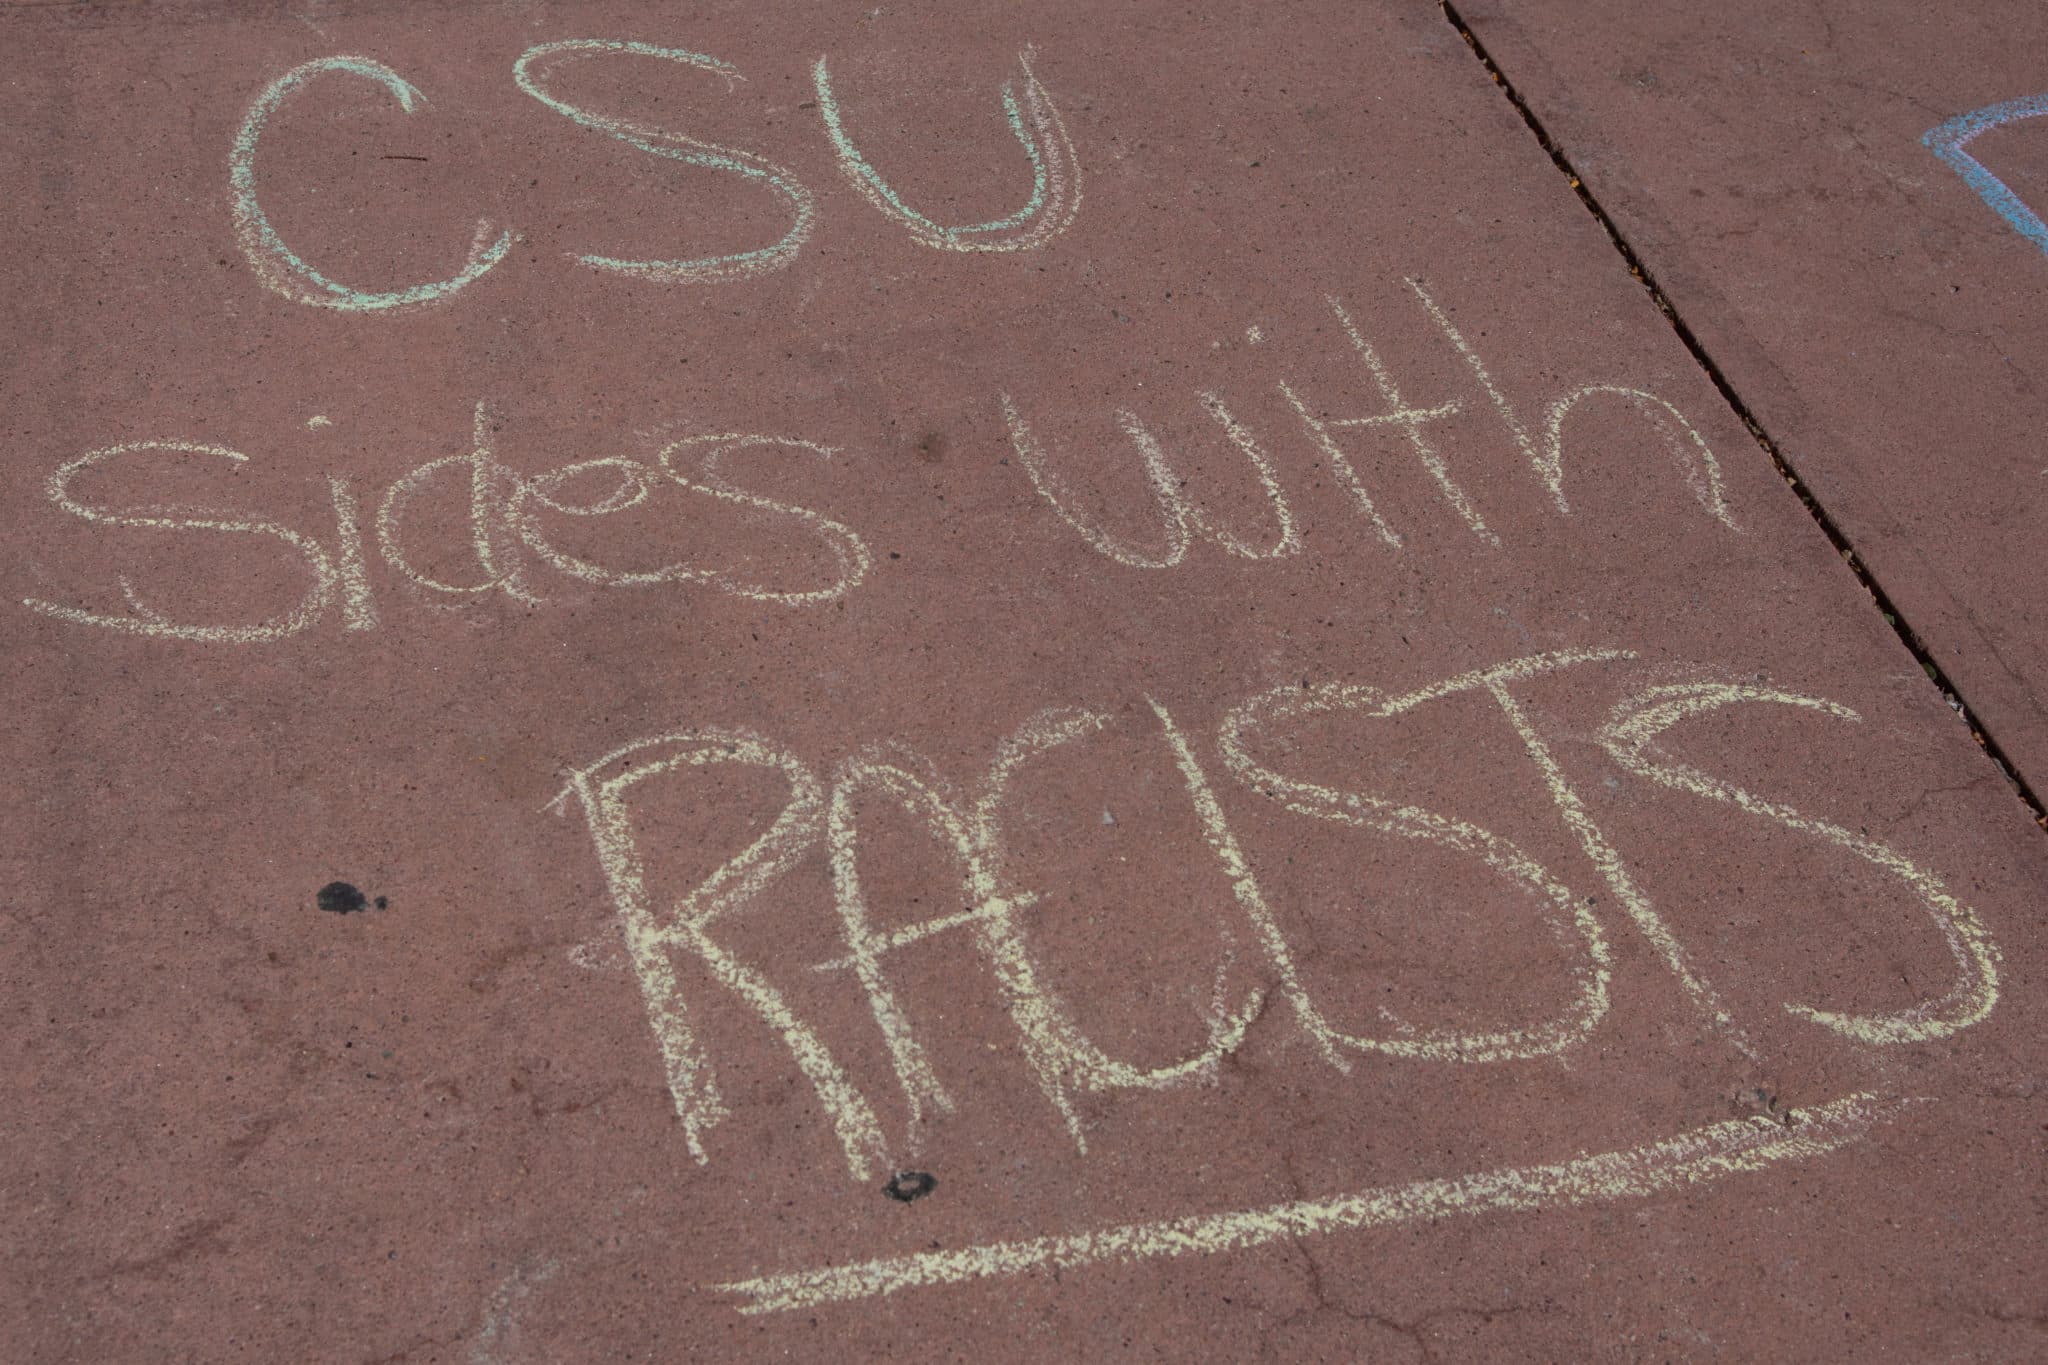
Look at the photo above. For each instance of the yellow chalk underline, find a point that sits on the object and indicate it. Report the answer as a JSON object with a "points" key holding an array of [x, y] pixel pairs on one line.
{"points": [[1699, 1155]]}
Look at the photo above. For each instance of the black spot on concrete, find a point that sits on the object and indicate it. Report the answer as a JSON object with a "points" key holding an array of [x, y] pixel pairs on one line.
{"points": [[381, 902], [343, 899], [905, 1186]]}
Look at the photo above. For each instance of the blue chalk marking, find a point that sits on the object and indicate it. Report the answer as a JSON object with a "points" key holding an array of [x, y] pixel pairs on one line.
{"points": [[850, 157], [687, 150], [260, 241], [1948, 141]]}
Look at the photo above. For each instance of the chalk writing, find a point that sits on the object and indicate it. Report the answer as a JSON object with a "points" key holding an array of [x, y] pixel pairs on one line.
{"points": [[1949, 141], [525, 535], [509, 537], [651, 936], [1630, 737], [1410, 420], [148, 619], [1688, 450], [275, 264], [637, 481], [997, 897], [1048, 211], [1055, 174], [1696, 1157], [1182, 519], [1702, 471], [487, 480], [1063, 1059], [1566, 911], [531, 71], [506, 531]]}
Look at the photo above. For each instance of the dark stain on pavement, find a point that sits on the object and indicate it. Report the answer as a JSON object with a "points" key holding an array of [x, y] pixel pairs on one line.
{"points": [[906, 1186], [342, 898]]}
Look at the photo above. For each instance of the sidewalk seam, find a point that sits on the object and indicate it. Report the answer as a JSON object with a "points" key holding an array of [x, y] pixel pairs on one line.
{"points": [[1907, 636]]}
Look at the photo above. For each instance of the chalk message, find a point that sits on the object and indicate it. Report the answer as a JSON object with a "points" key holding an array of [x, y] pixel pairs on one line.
{"points": [[479, 526]]}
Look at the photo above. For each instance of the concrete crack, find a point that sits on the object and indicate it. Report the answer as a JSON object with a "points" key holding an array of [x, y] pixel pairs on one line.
{"points": [[1907, 636]]}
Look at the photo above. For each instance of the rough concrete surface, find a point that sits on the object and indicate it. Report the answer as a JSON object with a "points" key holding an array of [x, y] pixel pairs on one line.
{"points": [[1880, 307], [670, 705]]}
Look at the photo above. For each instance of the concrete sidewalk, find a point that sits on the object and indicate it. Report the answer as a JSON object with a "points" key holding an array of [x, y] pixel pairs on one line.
{"points": [[1843, 206], [955, 681]]}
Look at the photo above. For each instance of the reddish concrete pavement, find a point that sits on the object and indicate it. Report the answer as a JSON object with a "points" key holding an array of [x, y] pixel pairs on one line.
{"points": [[1780, 169], [1163, 720]]}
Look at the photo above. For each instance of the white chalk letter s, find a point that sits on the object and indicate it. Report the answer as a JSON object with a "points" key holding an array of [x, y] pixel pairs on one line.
{"points": [[530, 72], [149, 621], [1630, 737], [1570, 920]]}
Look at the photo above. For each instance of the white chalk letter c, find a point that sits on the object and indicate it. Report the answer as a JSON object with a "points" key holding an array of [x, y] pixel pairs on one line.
{"points": [[276, 265]]}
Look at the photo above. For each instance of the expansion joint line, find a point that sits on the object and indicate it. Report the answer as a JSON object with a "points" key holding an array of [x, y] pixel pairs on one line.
{"points": [[1908, 637]]}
